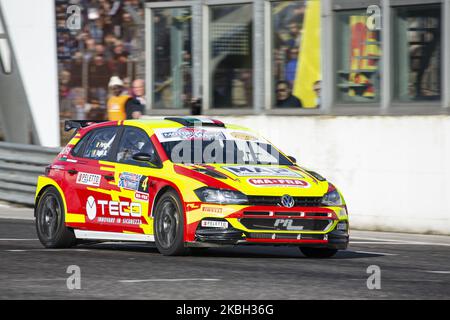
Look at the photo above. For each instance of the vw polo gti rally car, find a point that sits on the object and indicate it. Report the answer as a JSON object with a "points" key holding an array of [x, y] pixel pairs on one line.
{"points": [[184, 183]]}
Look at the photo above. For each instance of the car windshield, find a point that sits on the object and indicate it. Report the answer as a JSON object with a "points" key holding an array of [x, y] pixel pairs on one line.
{"points": [[201, 146]]}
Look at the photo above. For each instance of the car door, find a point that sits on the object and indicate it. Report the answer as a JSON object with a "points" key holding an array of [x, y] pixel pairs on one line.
{"points": [[89, 180], [135, 180]]}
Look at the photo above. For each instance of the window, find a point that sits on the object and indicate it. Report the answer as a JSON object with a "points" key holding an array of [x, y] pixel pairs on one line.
{"points": [[417, 53], [100, 144], [358, 53], [5, 51], [172, 57], [134, 141], [79, 147], [296, 54], [231, 55]]}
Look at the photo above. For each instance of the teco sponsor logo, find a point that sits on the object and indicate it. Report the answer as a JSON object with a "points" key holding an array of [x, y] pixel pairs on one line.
{"points": [[113, 208], [91, 208], [261, 171], [88, 179], [279, 182]]}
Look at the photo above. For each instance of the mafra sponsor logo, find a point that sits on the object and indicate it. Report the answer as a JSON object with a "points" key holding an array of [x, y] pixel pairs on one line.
{"points": [[279, 183], [88, 179], [261, 171]]}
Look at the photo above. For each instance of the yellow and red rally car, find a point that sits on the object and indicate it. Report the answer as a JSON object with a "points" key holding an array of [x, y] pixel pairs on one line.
{"points": [[184, 183]]}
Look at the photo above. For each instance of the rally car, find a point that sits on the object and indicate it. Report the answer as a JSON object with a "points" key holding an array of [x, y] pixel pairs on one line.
{"points": [[184, 183]]}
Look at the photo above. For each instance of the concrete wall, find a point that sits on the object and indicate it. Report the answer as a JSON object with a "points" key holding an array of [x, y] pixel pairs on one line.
{"points": [[393, 171]]}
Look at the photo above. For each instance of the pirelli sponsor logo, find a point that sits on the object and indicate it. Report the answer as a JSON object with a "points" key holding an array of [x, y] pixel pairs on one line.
{"points": [[89, 179]]}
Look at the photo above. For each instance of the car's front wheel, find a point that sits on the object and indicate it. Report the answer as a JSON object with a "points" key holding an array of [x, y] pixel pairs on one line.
{"points": [[318, 252], [50, 221], [168, 225]]}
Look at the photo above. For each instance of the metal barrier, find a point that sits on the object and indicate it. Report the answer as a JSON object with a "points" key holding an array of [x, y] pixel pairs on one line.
{"points": [[20, 165]]}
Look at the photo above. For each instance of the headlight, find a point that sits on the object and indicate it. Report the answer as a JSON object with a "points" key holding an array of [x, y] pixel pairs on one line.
{"points": [[332, 198], [220, 196]]}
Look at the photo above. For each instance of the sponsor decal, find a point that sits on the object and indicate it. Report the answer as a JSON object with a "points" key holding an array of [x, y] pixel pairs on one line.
{"points": [[193, 206], [65, 152], [261, 171], [132, 181], [89, 179], [141, 196], [187, 133], [214, 224], [278, 182], [91, 208], [243, 136], [212, 209], [287, 224], [111, 209]]}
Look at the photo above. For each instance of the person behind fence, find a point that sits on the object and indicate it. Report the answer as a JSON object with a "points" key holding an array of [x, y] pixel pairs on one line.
{"points": [[135, 106], [285, 99], [117, 102]]}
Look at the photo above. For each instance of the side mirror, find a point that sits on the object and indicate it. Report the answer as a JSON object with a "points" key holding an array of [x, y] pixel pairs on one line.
{"points": [[292, 159], [144, 157]]}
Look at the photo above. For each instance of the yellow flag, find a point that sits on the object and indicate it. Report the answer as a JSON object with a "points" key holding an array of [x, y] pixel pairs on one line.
{"points": [[308, 68]]}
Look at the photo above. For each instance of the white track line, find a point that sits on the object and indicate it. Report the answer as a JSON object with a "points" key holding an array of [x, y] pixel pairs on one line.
{"points": [[438, 272], [395, 241], [378, 253], [11, 239], [167, 280]]}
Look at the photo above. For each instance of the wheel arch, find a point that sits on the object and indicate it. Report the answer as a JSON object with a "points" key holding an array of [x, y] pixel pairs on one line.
{"points": [[163, 190], [44, 183]]}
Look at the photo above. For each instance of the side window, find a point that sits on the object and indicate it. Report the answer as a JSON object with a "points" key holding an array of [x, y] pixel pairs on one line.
{"points": [[78, 149], [100, 143], [133, 141]]}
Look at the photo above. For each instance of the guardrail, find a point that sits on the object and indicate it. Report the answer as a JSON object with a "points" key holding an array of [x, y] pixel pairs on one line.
{"points": [[20, 165]]}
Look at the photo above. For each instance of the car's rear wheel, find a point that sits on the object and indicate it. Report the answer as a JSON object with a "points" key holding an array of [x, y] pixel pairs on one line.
{"points": [[168, 225], [50, 221], [318, 252]]}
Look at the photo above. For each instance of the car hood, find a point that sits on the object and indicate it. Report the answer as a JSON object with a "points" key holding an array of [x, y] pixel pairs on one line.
{"points": [[269, 180]]}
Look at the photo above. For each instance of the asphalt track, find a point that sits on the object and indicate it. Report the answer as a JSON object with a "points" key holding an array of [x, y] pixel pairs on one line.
{"points": [[411, 267]]}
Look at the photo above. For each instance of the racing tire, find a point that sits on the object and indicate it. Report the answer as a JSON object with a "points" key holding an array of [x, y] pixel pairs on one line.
{"points": [[168, 225], [318, 253], [50, 221]]}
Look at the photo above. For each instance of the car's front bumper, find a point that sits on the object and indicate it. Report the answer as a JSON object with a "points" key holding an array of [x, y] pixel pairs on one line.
{"points": [[301, 226]]}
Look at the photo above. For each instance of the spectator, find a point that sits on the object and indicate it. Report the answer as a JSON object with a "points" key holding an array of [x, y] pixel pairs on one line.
{"points": [[116, 103], [135, 107], [285, 99], [317, 87], [291, 65], [108, 35]]}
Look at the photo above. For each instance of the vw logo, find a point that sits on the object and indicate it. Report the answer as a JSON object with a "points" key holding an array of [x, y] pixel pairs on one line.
{"points": [[287, 201]]}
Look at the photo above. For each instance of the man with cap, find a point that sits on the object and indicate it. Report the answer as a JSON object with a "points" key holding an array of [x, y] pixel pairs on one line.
{"points": [[117, 102]]}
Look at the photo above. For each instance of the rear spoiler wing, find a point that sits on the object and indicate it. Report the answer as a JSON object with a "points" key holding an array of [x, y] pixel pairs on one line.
{"points": [[78, 124]]}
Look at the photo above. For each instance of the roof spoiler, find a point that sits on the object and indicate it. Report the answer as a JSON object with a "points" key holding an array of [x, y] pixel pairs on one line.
{"points": [[78, 124]]}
